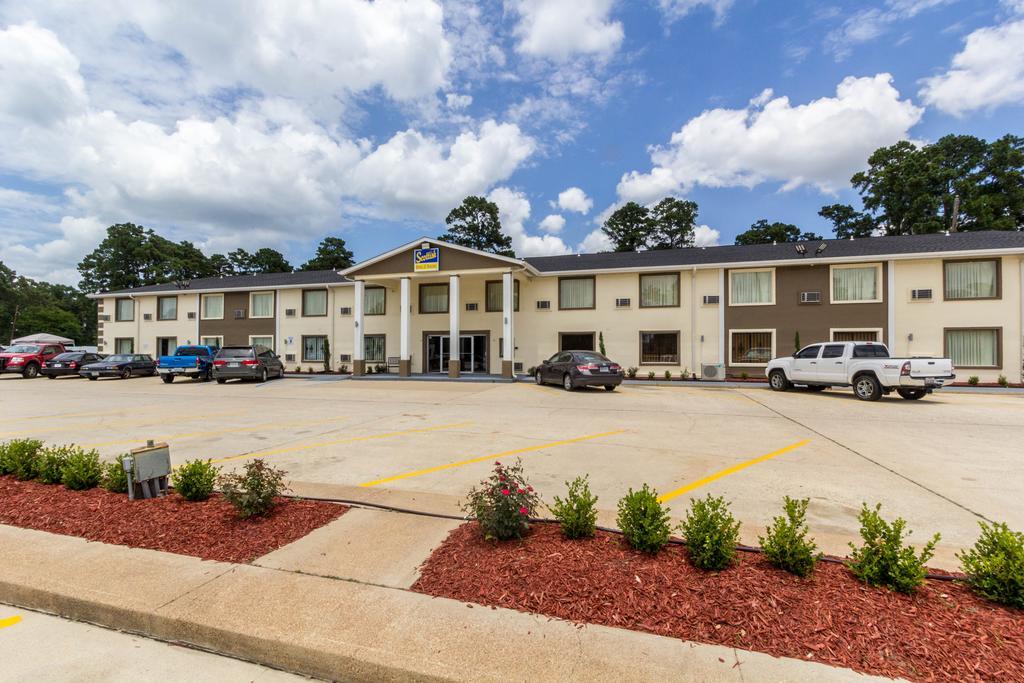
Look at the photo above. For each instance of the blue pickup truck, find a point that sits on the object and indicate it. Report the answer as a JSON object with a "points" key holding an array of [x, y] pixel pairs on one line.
{"points": [[192, 360]]}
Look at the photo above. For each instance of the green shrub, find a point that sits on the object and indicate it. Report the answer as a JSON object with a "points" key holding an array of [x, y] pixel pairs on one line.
{"points": [[253, 492], [973, 380], [710, 533], [650, 375], [51, 463], [995, 565], [577, 513], [194, 480], [114, 477], [744, 375], [82, 470], [631, 373], [503, 503], [1002, 381], [668, 374], [20, 457], [884, 560], [644, 520], [786, 544]]}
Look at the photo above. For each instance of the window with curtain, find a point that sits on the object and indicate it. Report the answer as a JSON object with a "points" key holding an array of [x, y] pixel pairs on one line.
{"points": [[855, 336], [373, 347], [263, 341], [374, 300], [972, 279], [313, 348], [124, 310], [314, 302], [750, 287], [434, 298], [213, 306], [211, 341], [124, 345], [859, 283], [576, 292], [750, 348], [262, 305], [167, 308], [659, 290], [495, 291], [659, 348], [973, 348]]}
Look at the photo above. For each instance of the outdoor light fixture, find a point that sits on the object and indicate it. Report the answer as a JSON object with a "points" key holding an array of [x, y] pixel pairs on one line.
{"points": [[801, 249], [910, 337], [821, 248]]}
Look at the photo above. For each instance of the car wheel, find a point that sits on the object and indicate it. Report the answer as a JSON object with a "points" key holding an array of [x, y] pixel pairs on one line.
{"points": [[126, 373], [221, 381], [867, 388], [167, 378], [911, 394], [567, 382], [538, 378], [609, 387], [93, 379], [263, 376], [51, 377], [778, 382], [31, 371]]}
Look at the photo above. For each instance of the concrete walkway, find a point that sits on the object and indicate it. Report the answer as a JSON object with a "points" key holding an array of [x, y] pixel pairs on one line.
{"points": [[333, 605]]}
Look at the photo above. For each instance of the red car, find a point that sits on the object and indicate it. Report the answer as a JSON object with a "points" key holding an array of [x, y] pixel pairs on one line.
{"points": [[28, 359]]}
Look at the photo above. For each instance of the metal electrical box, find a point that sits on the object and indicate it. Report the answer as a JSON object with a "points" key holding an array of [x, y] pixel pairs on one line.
{"points": [[150, 467]]}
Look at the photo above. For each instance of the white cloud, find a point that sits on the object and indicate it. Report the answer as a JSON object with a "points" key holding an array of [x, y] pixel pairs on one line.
{"points": [[868, 24], [552, 224], [456, 101], [988, 72], [575, 199], [821, 143], [41, 83], [594, 242], [677, 9], [559, 29], [54, 260], [704, 236], [514, 209]]}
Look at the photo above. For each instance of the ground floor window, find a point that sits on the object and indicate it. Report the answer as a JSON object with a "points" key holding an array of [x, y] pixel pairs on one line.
{"points": [[373, 347], [313, 348], [751, 347], [212, 341], [659, 348], [974, 347], [575, 341], [124, 345], [855, 335], [262, 341]]}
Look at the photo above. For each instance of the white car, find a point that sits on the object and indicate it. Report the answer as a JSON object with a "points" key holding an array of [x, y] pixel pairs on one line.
{"points": [[865, 366]]}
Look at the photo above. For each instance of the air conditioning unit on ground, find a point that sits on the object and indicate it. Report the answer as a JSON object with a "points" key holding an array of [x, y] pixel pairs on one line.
{"points": [[191, 315], [711, 299], [239, 314], [810, 297], [712, 371], [543, 305], [920, 295], [345, 310], [622, 303]]}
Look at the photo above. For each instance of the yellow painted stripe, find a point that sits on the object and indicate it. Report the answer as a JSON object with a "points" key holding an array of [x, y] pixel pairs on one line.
{"points": [[9, 621], [218, 432], [731, 470], [493, 456], [353, 439]]}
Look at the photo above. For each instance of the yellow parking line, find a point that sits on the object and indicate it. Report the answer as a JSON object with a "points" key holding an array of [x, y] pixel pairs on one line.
{"points": [[731, 470], [483, 458], [217, 432], [353, 439], [9, 621]]}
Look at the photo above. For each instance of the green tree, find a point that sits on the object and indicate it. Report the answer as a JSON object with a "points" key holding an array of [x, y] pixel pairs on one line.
{"points": [[267, 260], [332, 254], [221, 265], [28, 306], [847, 221], [475, 224], [674, 221], [763, 232], [630, 227]]}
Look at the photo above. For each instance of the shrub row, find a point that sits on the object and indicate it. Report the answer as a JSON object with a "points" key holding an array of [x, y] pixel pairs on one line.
{"points": [[993, 567]]}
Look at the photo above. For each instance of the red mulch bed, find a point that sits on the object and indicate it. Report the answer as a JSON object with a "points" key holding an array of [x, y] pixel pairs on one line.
{"points": [[210, 529], [941, 633]]}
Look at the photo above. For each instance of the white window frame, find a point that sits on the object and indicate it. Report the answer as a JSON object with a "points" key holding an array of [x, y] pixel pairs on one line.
{"points": [[877, 330], [729, 334], [850, 266], [253, 308], [202, 307], [751, 270], [263, 336], [218, 337]]}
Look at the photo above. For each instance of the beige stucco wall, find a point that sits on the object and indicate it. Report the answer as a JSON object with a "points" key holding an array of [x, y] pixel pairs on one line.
{"points": [[146, 332], [926, 320]]}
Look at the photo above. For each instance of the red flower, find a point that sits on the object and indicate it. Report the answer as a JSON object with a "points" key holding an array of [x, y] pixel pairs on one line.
{"points": [[523, 511], [530, 489], [497, 464], [501, 478], [522, 490], [504, 492]]}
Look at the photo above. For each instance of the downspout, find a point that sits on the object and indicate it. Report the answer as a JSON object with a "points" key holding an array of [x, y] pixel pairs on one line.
{"points": [[891, 308], [277, 322], [693, 320], [1020, 327], [199, 316], [137, 311], [721, 316]]}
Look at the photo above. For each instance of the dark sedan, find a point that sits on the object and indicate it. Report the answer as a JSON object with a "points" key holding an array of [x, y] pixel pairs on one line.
{"points": [[123, 365], [574, 369], [246, 362], [68, 364]]}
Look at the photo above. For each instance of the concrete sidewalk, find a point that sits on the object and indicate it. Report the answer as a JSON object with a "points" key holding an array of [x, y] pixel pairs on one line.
{"points": [[333, 606]]}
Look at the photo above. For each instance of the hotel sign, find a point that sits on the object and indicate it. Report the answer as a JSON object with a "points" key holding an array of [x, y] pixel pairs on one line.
{"points": [[424, 260]]}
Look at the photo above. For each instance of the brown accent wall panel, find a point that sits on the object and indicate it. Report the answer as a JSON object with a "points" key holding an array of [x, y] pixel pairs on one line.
{"points": [[451, 259], [237, 332]]}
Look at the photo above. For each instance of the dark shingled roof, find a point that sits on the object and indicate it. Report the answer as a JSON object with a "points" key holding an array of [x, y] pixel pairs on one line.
{"points": [[866, 247], [258, 281]]}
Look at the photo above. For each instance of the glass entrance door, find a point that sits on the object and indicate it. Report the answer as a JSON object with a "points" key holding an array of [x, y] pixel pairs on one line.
{"points": [[472, 353]]}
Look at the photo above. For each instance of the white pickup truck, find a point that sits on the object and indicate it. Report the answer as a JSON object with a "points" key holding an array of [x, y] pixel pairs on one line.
{"points": [[865, 366]]}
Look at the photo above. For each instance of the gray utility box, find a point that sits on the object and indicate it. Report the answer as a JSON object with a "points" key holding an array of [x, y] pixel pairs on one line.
{"points": [[148, 469]]}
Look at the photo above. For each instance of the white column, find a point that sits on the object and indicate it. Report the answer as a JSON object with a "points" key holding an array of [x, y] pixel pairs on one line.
{"points": [[358, 351], [404, 325], [722, 302], [1020, 328], [507, 327], [453, 326], [891, 337]]}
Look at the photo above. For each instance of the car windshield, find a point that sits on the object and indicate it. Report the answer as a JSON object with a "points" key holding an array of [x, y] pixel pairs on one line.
{"points": [[23, 348], [68, 356], [591, 357], [237, 352], [120, 358], [870, 351], [192, 351]]}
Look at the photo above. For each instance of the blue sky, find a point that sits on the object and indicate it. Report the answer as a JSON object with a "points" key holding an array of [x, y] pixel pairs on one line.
{"points": [[262, 124]]}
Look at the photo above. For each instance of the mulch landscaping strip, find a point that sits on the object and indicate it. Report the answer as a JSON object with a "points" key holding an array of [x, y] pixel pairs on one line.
{"points": [[943, 632], [209, 529]]}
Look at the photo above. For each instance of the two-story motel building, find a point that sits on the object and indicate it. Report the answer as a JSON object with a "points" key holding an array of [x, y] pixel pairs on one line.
{"points": [[728, 308]]}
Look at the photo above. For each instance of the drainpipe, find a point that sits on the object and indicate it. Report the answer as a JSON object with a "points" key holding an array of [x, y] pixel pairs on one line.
{"points": [[138, 322], [1020, 328], [721, 316], [693, 320], [891, 304]]}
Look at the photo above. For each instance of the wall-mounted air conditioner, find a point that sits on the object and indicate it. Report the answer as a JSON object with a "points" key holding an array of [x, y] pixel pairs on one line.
{"points": [[810, 297], [191, 315], [239, 314], [104, 318], [345, 310], [290, 357], [147, 316], [289, 312], [345, 358], [543, 305], [711, 299], [623, 303], [472, 306], [712, 371], [920, 295]]}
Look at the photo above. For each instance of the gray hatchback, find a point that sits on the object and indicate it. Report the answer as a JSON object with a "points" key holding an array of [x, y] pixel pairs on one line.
{"points": [[246, 362]]}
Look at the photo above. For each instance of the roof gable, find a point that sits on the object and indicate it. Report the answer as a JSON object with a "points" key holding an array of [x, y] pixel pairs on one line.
{"points": [[450, 257]]}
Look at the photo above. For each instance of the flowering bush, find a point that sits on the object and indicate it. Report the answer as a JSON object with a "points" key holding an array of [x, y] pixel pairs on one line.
{"points": [[503, 503]]}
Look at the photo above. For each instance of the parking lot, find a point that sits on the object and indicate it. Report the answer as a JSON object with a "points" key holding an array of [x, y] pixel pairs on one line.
{"points": [[942, 463]]}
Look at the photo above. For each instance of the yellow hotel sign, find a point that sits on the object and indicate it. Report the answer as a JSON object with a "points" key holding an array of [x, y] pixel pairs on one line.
{"points": [[424, 260]]}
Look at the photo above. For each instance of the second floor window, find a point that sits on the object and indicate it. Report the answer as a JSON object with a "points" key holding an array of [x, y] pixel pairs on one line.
{"points": [[262, 305], [855, 283], [213, 306], [314, 302], [434, 298], [657, 291], [576, 292], [494, 301], [972, 279], [374, 300], [751, 287], [167, 308], [124, 310]]}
